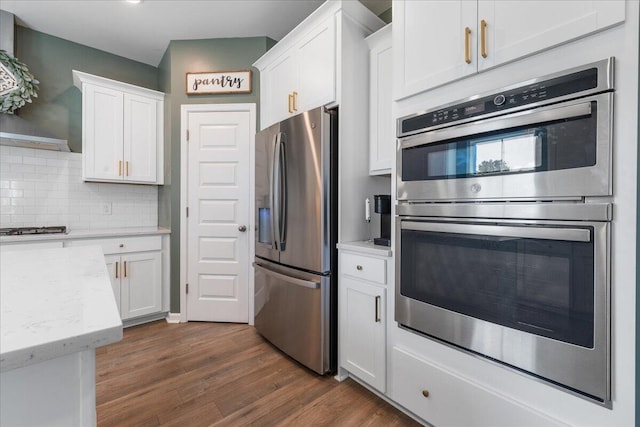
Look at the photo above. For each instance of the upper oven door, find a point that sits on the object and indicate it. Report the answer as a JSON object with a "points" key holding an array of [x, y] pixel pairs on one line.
{"points": [[551, 152]]}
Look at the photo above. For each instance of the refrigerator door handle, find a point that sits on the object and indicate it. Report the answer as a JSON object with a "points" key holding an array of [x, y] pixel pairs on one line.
{"points": [[288, 279], [273, 197], [282, 209]]}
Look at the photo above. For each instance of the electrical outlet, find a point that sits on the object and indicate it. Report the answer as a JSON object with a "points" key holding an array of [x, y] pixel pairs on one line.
{"points": [[105, 208]]}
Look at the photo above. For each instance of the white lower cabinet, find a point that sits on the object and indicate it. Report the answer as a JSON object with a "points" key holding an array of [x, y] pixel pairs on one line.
{"points": [[136, 281], [135, 269], [443, 398], [362, 324]]}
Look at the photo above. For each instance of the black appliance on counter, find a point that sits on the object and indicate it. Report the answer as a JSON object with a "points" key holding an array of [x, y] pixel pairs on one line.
{"points": [[383, 207]]}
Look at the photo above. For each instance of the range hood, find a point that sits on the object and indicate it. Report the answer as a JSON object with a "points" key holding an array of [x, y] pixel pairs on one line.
{"points": [[14, 130], [17, 132]]}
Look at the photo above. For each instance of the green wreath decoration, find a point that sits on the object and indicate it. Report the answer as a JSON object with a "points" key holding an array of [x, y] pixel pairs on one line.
{"points": [[17, 84]]}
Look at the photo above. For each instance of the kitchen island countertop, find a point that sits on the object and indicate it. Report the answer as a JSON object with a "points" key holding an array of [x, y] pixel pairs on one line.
{"points": [[54, 302]]}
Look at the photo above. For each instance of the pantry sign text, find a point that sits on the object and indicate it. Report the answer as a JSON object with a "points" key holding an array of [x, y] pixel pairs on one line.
{"points": [[219, 82]]}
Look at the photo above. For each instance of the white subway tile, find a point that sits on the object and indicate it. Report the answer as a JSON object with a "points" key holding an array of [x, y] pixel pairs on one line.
{"points": [[34, 161]]}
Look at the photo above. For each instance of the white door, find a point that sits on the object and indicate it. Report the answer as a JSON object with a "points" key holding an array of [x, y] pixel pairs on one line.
{"points": [[114, 268], [518, 28], [434, 45], [141, 284], [102, 133], [316, 68], [218, 182], [140, 138], [280, 81]]}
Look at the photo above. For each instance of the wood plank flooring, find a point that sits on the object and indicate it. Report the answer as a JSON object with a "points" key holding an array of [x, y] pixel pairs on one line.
{"points": [[221, 374]]}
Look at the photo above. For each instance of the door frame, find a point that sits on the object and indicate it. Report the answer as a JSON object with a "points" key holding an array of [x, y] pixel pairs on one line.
{"points": [[185, 109]]}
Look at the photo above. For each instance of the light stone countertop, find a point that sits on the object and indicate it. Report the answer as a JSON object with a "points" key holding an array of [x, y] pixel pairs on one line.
{"points": [[54, 302], [87, 234], [365, 247]]}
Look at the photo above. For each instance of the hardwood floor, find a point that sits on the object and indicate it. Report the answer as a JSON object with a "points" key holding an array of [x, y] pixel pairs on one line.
{"points": [[220, 374]]}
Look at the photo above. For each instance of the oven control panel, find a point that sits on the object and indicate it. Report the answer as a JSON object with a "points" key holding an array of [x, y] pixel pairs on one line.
{"points": [[514, 98]]}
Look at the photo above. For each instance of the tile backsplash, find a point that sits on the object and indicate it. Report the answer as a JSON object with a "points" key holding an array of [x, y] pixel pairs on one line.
{"points": [[44, 188]]}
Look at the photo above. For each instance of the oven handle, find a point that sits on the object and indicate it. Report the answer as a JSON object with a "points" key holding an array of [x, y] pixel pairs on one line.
{"points": [[564, 234], [522, 118]]}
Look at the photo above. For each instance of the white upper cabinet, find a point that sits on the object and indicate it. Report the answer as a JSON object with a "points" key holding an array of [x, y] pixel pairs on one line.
{"points": [[301, 78], [429, 43], [381, 124], [122, 131], [437, 42], [305, 69]]}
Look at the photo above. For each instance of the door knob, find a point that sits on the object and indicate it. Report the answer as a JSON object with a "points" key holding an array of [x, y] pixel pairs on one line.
{"points": [[242, 228]]}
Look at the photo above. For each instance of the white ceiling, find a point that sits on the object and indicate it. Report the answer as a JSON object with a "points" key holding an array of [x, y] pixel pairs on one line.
{"points": [[142, 31]]}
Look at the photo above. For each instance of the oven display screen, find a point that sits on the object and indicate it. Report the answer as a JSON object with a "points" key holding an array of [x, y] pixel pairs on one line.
{"points": [[474, 109]]}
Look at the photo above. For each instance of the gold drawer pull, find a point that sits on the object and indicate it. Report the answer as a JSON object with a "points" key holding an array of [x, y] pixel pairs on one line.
{"points": [[467, 45], [295, 101], [119, 167], [126, 167], [425, 393], [359, 267], [289, 103], [483, 38]]}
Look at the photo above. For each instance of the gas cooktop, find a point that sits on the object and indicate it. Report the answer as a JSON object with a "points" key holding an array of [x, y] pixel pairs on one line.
{"points": [[17, 231]]}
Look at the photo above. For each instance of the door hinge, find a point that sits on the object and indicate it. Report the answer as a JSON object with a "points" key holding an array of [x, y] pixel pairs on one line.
{"points": [[187, 211], [187, 288], [187, 135]]}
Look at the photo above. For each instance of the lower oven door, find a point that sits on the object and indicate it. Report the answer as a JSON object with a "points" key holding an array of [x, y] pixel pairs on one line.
{"points": [[531, 294]]}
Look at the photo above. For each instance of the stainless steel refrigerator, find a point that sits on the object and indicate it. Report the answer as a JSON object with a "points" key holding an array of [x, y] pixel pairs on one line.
{"points": [[296, 218]]}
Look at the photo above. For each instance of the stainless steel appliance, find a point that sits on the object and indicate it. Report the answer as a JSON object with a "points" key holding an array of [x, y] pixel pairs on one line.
{"points": [[503, 227], [296, 217], [547, 138]]}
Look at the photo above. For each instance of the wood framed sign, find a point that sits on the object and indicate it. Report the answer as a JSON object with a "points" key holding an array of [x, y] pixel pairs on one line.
{"points": [[216, 82]]}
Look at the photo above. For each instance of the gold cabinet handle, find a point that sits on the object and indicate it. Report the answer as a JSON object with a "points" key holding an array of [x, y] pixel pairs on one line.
{"points": [[425, 393], [483, 38], [377, 319], [119, 167], [295, 101], [116, 269], [125, 269], [126, 167], [289, 103], [467, 45]]}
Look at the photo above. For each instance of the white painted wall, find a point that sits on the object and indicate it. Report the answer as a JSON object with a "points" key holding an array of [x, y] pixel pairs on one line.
{"points": [[42, 188]]}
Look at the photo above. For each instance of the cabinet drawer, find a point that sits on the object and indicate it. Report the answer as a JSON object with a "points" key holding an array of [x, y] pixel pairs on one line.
{"points": [[411, 378], [120, 245], [364, 267]]}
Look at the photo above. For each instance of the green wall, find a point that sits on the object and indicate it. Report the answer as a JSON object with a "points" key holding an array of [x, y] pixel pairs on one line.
{"points": [[386, 16], [196, 56], [58, 108]]}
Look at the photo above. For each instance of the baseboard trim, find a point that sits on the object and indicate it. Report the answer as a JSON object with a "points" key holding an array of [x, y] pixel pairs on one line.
{"points": [[173, 317]]}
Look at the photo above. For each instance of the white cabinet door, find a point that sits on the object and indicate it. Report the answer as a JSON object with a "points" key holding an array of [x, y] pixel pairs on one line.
{"points": [[431, 41], [140, 138], [280, 79], [363, 339], [316, 58], [122, 131], [518, 28], [381, 124], [114, 268], [141, 284], [102, 133]]}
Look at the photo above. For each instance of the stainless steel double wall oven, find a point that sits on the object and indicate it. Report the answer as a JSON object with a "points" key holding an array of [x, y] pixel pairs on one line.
{"points": [[503, 226]]}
